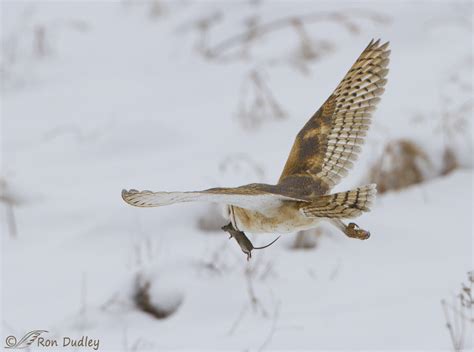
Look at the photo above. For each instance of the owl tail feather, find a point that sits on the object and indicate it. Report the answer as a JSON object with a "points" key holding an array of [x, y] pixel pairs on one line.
{"points": [[342, 205]]}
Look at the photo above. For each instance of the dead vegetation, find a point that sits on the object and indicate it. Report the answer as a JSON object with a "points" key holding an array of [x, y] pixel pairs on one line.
{"points": [[149, 305], [154, 9], [307, 239], [459, 314], [242, 165], [403, 163], [215, 262], [11, 199], [255, 273], [456, 115], [30, 41], [454, 123], [450, 161], [240, 45], [144, 294], [257, 102]]}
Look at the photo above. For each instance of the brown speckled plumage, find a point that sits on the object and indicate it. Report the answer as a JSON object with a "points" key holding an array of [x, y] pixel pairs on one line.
{"points": [[329, 143], [323, 152]]}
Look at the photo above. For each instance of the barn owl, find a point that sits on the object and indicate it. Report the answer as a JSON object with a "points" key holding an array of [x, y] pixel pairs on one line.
{"points": [[323, 152]]}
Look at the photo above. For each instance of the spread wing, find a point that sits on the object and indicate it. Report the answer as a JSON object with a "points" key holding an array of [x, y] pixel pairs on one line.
{"points": [[255, 196], [324, 150]]}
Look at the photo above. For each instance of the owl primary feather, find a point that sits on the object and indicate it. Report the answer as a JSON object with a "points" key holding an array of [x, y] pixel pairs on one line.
{"points": [[323, 152]]}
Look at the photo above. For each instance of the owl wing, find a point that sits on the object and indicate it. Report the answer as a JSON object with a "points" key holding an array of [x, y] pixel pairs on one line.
{"points": [[324, 150], [255, 196]]}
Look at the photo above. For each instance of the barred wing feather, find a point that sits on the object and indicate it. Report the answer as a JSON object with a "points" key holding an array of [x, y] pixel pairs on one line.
{"points": [[249, 197], [329, 143]]}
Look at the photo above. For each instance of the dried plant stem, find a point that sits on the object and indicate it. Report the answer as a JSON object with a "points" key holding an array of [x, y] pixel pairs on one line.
{"points": [[11, 220], [255, 31], [456, 313], [255, 302], [237, 321], [456, 338], [250, 274], [40, 41], [257, 102], [273, 328]]}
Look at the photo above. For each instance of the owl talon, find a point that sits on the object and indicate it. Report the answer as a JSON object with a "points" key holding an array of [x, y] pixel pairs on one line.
{"points": [[354, 231]]}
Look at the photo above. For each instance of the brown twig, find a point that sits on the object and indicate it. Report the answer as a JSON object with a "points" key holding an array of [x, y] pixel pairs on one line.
{"points": [[254, 300], [454, 334], [10, 200], [456, 313], [273, 327], [11, 220], [256, 30], [238, 320], [257, 102]]}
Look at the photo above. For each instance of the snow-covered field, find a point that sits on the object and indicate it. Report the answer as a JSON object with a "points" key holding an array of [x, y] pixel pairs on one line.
{"points": [[98, 96]]}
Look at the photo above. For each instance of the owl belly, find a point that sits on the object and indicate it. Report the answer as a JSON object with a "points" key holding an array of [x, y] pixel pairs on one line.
{"points": [[285, 219]]}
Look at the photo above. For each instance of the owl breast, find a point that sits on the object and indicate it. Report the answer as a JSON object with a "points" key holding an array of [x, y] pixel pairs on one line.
{"points": [[285, 219]]}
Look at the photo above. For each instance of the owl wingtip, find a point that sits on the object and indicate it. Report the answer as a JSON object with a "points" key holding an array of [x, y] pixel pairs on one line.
{"points": [[126, 193], [376, 43]]}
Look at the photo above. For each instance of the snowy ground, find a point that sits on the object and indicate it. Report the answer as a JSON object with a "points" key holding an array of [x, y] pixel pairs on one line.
{"points": [[121, 99]]}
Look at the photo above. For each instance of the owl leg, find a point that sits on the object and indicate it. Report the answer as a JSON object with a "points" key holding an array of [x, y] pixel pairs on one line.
{"points": [[352, 230]]}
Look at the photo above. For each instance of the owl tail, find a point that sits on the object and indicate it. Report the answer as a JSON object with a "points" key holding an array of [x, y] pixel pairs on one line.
{"points": [[342, 205]]}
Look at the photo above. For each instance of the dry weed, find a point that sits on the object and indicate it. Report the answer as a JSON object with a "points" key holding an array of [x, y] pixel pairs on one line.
{"points": [[307, 239], [403, 163], [257, 103], [144, 302], [459, 312]]}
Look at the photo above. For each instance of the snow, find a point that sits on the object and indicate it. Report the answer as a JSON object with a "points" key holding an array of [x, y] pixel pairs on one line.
{"points": [[124, 101]]}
